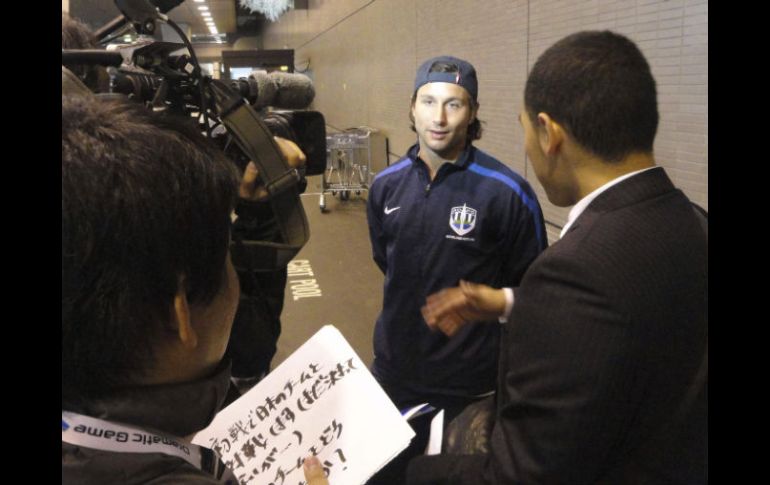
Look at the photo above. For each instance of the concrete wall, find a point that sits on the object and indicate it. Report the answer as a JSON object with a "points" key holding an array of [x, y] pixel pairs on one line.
{"points": [[362, 55]]}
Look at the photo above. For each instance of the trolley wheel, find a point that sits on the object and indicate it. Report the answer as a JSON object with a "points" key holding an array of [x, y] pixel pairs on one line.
{"points": [[344, 195]]}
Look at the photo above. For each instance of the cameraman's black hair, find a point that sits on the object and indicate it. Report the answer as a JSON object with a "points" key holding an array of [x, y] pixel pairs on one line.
{"points": [[474, 129], [599, 86], [76, 35], [146, 200]]}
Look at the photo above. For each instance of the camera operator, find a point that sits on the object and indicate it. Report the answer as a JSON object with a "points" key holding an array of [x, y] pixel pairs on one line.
{"points": [[257, 324], [148, 293]]}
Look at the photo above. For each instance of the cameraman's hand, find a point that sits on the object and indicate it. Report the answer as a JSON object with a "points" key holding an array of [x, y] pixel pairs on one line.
{"points": [[251, 189], [291, 152]]}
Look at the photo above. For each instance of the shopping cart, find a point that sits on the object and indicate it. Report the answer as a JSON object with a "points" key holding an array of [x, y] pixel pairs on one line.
{"points": [[348, 164]]}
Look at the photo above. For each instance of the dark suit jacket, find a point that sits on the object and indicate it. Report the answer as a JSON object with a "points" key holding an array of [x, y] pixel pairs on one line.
{"points": [[608, 330]]}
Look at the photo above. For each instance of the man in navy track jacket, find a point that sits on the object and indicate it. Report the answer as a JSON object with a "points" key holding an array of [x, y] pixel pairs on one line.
{"points": [[446, 212]]}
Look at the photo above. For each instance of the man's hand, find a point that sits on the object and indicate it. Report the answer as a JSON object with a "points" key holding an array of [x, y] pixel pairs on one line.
{"points": [[291, 152], [314, 474], [251, 189], [451, 308]]}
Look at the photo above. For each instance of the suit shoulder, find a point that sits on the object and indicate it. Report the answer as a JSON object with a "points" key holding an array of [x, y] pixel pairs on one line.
{"points": [[652, 240]]}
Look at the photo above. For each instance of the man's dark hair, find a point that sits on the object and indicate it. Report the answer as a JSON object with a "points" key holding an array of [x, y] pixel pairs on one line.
{"points": [[474, 129], [146, 203], [598, 85]]}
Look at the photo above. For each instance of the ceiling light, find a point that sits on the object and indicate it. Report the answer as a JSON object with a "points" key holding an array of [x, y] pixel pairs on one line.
{"points": [[199, 1], [203, 8]]}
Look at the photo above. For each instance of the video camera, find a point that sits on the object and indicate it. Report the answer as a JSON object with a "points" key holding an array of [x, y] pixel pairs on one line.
{"points": [[152, 72]]}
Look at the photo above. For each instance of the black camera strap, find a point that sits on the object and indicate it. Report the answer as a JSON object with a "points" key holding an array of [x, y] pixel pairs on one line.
{"points": [[256, 141]]}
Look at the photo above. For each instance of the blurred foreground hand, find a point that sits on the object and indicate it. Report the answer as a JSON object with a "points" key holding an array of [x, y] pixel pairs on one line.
{"points": [[452, 308], [314, 473]]}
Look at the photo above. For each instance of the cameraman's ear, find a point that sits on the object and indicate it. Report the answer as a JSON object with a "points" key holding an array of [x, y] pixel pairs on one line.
{"points": [[180, 316]]}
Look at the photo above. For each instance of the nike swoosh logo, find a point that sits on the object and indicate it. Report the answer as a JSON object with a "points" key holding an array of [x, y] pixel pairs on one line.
{"points": [[388, 211]]}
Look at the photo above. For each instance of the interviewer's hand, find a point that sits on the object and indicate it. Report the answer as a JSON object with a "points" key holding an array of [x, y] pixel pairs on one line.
{"points": [[314, 474], [451, 308], [251, 189]]}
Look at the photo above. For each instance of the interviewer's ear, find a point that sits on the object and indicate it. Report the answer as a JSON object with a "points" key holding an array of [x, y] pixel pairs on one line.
{"points": [[550, 134], [181, 317]]}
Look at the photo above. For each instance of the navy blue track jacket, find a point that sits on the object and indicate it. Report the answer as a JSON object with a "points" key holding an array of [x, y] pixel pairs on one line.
{"points": [[479, 221]]}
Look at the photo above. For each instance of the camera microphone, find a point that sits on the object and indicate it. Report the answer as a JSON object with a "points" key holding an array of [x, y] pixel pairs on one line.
{"points": [[277, 89], [295, 91]]}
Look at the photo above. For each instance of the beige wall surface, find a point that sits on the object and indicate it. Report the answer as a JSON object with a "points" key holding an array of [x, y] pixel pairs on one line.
{"points": [[362, 56]]}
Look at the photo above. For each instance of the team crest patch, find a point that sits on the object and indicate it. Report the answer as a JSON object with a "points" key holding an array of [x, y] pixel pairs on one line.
{"points": [[462, 220]]}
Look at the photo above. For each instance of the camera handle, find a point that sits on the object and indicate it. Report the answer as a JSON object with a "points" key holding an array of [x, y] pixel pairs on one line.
{"points": [[142, 14], [256, 141]]}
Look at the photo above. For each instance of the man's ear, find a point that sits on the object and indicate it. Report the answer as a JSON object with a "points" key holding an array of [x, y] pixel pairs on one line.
{"points": [[181, 317], [550, 134]]}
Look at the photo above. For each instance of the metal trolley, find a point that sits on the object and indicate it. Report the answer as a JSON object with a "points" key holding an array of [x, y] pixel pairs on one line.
{"points": [[348, 163]]}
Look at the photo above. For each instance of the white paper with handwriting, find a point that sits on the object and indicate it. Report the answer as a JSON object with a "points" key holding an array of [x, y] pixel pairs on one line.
{"points": [[322, 400]]}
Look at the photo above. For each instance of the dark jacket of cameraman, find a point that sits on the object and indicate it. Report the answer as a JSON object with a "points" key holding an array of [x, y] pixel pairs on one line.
{"points": [[257, 324]]}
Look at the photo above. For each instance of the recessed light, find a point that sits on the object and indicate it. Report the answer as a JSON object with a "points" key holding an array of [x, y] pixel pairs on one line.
{"points": [[203, 8]]}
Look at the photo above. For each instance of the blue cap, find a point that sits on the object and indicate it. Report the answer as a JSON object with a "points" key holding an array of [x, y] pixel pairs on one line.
{"points": [[465, 75]]}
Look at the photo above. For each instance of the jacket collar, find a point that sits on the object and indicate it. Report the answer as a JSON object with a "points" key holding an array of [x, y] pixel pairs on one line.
{"points": [[462, 161], [643, 186], [178, 409]]}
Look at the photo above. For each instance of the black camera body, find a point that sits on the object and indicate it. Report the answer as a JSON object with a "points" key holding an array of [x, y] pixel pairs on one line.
{"points": [[152, 74]]}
